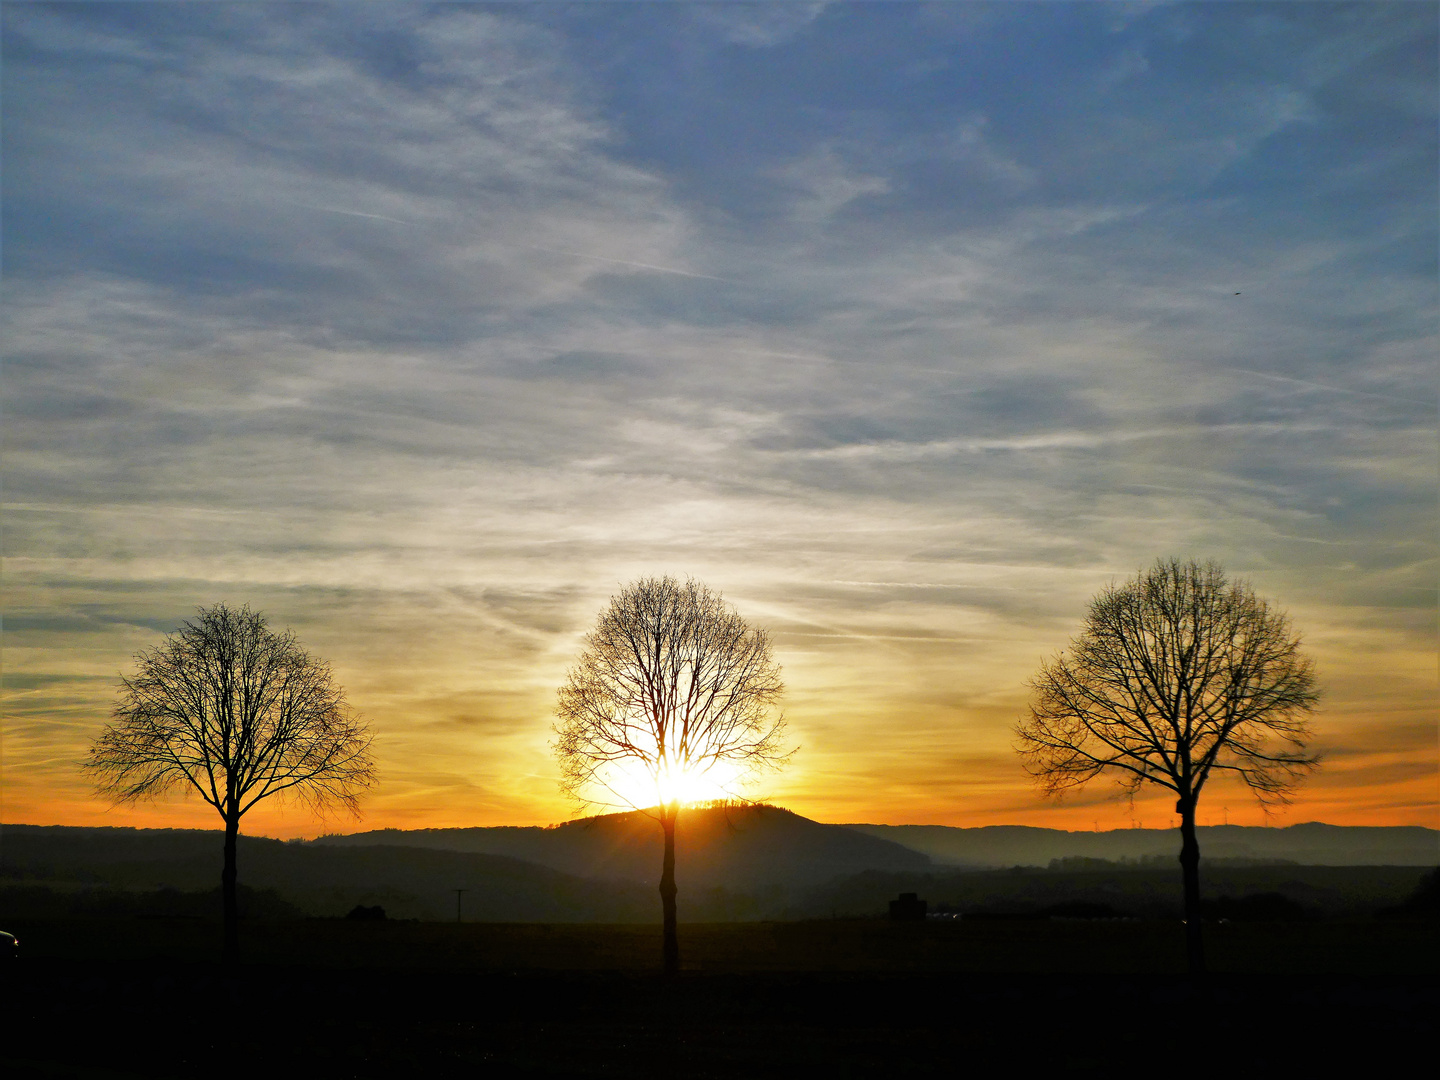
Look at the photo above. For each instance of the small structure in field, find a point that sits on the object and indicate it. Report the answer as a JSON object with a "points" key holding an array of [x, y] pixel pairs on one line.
{"points": [[908, 908]]}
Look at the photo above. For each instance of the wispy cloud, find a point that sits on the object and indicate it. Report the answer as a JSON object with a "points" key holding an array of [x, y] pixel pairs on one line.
{"points": [[624, 262], [758, 25], [426, 329]]}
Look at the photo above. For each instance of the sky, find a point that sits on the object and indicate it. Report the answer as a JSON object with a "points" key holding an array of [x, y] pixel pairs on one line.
{"points": [[424, 329]]}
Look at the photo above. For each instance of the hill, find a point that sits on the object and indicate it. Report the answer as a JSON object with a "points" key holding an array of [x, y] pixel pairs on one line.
{"points": [[406, 881], [743, 848], [735, 864], [1310, 844]]}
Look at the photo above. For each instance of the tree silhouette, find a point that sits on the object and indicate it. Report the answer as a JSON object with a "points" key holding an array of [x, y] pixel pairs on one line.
{"points": [[672, 683], [238, 713], [1177, 674]]}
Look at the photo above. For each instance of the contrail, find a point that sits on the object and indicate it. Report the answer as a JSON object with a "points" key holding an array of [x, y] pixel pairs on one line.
{"points": [[351, 213], [1323, 386]]}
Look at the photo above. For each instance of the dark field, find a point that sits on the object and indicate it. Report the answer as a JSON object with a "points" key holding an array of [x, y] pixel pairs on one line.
{"points": [[109, 998]]}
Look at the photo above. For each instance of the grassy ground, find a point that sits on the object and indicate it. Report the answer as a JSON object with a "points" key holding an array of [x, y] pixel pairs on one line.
{"points": [[841, 998], [1362, 947]]}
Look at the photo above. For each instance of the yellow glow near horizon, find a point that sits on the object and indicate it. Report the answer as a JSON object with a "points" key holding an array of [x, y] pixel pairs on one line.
{"points": [[633, 784]]}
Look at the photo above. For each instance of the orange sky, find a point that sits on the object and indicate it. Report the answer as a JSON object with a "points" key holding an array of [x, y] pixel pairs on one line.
{"points": [[901, 713]]}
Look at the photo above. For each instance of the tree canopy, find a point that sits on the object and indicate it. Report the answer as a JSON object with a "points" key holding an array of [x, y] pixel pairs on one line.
{"points": [[232, 710], [1178, 674], [674, 684]]}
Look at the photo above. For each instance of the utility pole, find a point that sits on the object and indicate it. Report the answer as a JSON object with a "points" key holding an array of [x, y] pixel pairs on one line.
{"points": [[458, 894]]}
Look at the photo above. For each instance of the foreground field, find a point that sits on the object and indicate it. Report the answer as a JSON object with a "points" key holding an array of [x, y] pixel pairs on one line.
{"points": [[841, 998], [1361, 947]]}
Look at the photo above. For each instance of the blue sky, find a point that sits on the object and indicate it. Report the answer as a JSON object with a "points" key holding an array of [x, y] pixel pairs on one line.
{"points": [[425, 328]]}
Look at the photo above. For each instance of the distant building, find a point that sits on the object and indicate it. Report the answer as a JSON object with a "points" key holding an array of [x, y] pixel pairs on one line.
{"points": [[909, 908]]}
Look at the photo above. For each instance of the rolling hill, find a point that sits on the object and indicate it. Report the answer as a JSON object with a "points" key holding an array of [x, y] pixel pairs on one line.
{"points": [[737, 848], [1310, 844], [734, 863]]}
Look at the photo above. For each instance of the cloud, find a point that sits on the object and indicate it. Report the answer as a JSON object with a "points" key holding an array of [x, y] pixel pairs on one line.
{"points": [[758, 25], [415, 329], [969, 146], [825, 185], [285, 170], [1123, 66]]}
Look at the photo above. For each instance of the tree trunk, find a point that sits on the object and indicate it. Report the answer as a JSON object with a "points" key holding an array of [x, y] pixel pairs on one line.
{"points": [[1190, 869], [668, 814], [231, 958]]}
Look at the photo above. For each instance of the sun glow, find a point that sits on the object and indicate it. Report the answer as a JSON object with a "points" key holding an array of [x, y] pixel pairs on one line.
{"points": [[633, 784]]}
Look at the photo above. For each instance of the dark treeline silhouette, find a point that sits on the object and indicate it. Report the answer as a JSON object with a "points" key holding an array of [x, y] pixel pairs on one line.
{"points": [[1320, 892], [320, 880], [331, 878], [1310, 843], [1422, 903], [30, 901]]}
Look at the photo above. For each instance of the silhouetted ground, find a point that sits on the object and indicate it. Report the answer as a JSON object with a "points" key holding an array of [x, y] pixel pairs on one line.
{"points": [[846, 998], [736, 864]]}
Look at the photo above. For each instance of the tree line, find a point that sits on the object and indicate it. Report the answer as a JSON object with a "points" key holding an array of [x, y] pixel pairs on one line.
{"points": [[1176, 675]]}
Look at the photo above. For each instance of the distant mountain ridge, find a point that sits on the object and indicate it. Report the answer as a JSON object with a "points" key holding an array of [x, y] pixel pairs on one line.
{"points": [[765, 844], [735, 864], [1311, 844], [736, 847], [408, 882]]}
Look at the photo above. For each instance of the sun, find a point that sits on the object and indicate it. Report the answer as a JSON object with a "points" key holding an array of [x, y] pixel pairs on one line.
{"points": [[689, 784]]}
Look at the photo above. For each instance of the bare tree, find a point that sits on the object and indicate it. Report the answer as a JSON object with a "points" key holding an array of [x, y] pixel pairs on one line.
{"points": [[672, 684], [1177, 674], [239, 713]]}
